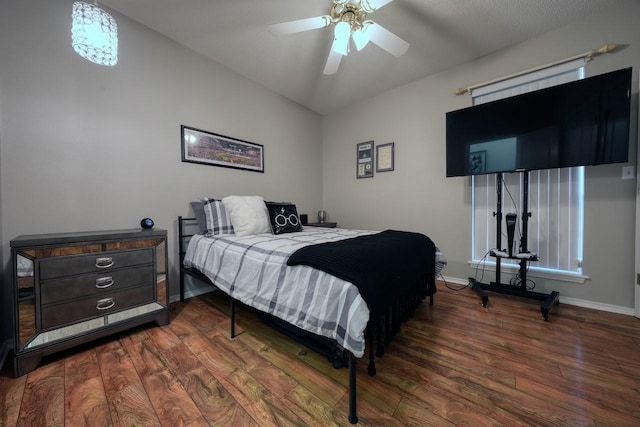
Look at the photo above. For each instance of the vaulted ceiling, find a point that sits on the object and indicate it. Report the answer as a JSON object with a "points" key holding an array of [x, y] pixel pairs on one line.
{"points": [[441, 33]]}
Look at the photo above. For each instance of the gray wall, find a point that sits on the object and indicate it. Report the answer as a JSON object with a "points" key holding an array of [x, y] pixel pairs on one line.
{"points": [[89, 147], [417, 196]]}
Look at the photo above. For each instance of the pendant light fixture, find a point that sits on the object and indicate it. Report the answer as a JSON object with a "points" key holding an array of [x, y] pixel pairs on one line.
{"points": [[94, 34]]}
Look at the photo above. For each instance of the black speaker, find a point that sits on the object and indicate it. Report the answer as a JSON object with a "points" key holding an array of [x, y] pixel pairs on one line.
{"points": [[146, 223], [511, 230], [304, 219]]}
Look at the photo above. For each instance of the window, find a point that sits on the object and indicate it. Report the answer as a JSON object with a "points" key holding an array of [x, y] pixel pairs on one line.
{"points": [[555, 196]]}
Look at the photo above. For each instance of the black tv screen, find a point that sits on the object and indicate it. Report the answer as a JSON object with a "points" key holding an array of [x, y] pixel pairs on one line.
{"points": [[581, 123]]}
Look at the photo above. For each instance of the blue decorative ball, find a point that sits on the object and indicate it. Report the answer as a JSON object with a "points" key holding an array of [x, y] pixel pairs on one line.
{"points": [[146, 223]]}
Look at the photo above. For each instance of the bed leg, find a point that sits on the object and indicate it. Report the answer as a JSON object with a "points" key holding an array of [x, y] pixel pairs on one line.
{"points": [[233, 317], [353, 413], [181, 286], [387, 326], [180, 257], [371, 369], [379, 338]]}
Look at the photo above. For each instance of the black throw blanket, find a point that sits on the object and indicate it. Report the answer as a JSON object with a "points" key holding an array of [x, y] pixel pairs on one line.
{"points": [[381, 265]]}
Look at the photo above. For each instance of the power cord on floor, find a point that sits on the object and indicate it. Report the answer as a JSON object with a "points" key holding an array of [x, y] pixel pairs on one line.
{"points": [[450, 287], [517, 281], [482, 261]]}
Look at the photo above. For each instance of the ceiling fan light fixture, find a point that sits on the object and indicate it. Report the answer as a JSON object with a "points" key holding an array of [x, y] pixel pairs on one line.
{"points": [[349, 18], [360, 38], [342, 33]]}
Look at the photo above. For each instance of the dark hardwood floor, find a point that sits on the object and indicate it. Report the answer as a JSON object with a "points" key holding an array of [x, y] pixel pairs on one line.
{"points": [[455, 363]]}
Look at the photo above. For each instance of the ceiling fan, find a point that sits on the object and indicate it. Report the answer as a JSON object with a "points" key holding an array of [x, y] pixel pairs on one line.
{"points": [[349, 18]]}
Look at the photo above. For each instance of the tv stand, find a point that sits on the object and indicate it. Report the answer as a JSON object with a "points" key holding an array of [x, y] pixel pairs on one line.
{"points": [[523, 255]]}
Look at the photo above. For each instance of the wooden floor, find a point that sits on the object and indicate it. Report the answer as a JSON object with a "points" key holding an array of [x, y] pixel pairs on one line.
{"points": [[455, 363]]}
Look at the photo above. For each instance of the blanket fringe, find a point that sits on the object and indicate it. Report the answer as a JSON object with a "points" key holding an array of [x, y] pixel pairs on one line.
{"points": [[383, 326]]}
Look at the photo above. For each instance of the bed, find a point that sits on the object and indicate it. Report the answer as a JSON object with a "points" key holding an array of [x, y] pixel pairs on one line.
{"points": [[337, 284]]}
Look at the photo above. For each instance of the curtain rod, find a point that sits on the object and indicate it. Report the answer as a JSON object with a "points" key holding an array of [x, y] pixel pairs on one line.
{"points": [[587, 57]]}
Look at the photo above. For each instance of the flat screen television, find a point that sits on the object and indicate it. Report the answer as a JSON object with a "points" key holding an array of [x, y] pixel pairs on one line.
{"points": [[581, 123]]}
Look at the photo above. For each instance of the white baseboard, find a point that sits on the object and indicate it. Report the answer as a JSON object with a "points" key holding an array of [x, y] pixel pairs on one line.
{"points": [[194, 292], [455, 280], [629, 311], [199, 291]]}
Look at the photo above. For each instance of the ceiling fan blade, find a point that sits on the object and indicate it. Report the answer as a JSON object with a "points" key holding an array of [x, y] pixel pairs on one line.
{"points": [[333, 61], [300, 25], [374, 4], [387, 40]]}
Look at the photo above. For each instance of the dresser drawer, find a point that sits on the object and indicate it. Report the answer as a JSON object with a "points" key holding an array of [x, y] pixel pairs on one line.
{"points": [[105, 282], [80, 309], [51, 268]]}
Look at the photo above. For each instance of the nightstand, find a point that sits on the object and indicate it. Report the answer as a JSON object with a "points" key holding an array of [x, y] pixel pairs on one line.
{"points": [[323, 224]]}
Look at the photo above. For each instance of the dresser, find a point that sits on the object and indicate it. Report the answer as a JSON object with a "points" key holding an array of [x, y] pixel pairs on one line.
{"points": [[71, 288]]}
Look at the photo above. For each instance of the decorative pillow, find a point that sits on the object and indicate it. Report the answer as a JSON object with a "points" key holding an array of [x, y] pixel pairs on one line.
{"points": [[198, 211], [248, 214], [217, 220], [284, 217]]}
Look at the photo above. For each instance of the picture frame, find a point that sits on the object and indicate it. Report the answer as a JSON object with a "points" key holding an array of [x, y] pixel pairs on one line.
{"points": [[477, 162], [385, 157], [208, 148], [364, 160]]}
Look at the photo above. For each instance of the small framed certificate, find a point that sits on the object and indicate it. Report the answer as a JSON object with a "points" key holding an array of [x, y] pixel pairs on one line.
{"points": [[385, 154], [364, 164]]}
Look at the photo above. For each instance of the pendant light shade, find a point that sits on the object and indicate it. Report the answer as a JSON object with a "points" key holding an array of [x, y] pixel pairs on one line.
{"points": [[94, 34]]}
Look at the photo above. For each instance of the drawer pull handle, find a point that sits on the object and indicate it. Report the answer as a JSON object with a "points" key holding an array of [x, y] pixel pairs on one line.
{"points": [[104, 282], [105, 262], [105, 304]]}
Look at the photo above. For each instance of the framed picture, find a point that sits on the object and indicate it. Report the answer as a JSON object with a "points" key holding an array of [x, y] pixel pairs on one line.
{"points": [[199, 146], [364, 164], [385, 157], [477, 162]]}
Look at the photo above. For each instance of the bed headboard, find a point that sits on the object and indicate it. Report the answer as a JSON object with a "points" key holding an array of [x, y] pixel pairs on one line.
{"points": [[187, 228]]}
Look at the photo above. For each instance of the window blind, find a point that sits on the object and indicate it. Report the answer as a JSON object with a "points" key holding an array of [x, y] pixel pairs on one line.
{"points": [[555, 196]]}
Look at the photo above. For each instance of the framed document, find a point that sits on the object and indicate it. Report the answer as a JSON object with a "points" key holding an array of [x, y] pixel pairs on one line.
{"points": [[385, 157], [364, 163]]}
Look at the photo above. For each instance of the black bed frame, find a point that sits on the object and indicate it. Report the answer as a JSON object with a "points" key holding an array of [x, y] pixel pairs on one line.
{"points": [[380, 329]]}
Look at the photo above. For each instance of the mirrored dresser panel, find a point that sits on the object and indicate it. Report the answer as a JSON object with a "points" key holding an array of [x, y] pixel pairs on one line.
{"points": [[71, 288]]}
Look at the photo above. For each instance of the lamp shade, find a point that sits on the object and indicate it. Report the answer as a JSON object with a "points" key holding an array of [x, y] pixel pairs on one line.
{"points": [[360, 38], [94, 34], [342, 33]]}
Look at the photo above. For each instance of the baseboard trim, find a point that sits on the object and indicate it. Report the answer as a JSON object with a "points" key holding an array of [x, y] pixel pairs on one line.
{"points": [[199, 291], [455, 280], [627, 311], [190, 293]]}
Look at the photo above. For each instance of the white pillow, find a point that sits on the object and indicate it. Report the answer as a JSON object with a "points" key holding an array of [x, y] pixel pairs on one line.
{"points": [[248, 214]]}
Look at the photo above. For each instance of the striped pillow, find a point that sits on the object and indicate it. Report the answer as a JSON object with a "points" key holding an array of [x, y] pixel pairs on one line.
{"points": [[217, 218]]}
